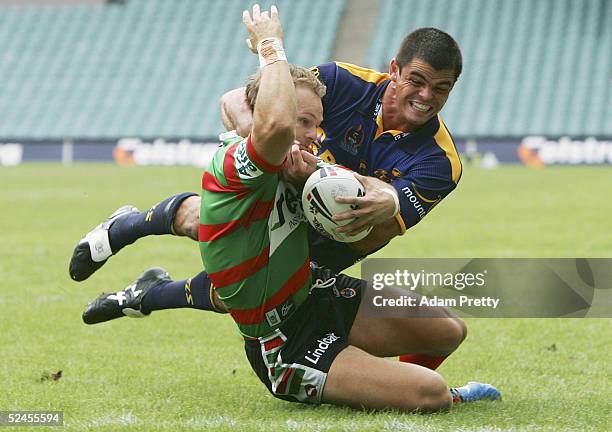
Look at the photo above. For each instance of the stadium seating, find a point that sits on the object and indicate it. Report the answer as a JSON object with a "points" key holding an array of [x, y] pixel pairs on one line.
{"points": [[156, 68], [149, 68], [530, 67]]}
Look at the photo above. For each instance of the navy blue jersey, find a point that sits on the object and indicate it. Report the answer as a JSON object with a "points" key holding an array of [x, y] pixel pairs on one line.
{"points": [[423, 166]]}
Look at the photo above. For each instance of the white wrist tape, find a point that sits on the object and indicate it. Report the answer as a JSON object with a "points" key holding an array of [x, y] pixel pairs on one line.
{"points": [[393, 193], [270, 51]]}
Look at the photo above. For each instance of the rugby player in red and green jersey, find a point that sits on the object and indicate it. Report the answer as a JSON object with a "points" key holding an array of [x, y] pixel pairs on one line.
{"points": [[304, 339], [386, 126]]}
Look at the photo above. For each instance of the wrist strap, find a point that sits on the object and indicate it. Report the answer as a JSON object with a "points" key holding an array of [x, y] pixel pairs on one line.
{"points": [[393, 193], [270, 51]]}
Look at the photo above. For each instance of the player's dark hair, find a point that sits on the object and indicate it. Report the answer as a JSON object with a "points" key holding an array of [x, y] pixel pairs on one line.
{"points": [[433, 46]]}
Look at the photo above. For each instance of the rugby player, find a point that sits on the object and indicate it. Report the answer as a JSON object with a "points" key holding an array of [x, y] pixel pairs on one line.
{"points": [[301, 335], [382, 125]]}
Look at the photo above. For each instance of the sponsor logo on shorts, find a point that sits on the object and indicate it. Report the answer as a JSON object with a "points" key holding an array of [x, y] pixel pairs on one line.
{"points": [[273, 318], [323, 344], [348, 292], [286, 308], [311, 391]]}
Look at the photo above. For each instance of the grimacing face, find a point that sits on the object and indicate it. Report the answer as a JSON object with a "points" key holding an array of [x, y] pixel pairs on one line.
{"points": [[421, 91], [309, 116]]}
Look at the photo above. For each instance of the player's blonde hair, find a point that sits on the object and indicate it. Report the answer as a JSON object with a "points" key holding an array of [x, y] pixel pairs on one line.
{"points": [[301, 77]]}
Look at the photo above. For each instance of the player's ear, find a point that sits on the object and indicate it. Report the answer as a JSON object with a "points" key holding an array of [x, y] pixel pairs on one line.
{"points": [[393, 69]]}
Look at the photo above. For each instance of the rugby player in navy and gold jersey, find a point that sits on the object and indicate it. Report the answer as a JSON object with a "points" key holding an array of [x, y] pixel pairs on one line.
{"points": [[385, 126]]}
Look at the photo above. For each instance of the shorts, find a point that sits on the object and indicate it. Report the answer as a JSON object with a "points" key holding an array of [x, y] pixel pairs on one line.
{"points": [[293, 362]]}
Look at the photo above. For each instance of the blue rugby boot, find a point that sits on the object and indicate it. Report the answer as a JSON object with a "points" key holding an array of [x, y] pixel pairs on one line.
{"points": [[474, 391]]}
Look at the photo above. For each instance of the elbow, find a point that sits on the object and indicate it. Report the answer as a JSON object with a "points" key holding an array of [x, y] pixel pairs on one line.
{"points": [[225, 102], [278, 125], [279, 130]]}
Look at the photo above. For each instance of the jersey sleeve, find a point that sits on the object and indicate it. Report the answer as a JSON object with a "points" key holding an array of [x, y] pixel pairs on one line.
{"points": [[327, 75], [238, 167], [421, 189], [340, 86]]}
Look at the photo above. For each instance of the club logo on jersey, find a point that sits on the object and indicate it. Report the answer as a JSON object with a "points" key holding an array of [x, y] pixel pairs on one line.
{"points": [[245, 168], [353, 138]]}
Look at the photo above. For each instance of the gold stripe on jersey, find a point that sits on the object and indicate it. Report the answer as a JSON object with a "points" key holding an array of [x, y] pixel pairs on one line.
{"points": [[365, 74], [380, 130], [422, 198], [401, 223], [379, 125], [445, 142]]}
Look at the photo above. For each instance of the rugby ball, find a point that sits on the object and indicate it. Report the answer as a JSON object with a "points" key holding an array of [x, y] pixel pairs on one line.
{"points": [[319, 201]]}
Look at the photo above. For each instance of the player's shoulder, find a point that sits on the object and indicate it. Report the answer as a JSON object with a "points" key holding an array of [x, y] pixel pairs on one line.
{"points": [[347, 72], [229, 138], [228, 147], [446, 149]]}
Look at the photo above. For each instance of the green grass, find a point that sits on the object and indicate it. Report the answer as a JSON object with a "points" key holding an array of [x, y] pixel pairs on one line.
{"points": [[186, 369]]}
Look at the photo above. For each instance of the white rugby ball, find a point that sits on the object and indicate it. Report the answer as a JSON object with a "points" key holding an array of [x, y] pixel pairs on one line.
{"points": [[319, 201]]}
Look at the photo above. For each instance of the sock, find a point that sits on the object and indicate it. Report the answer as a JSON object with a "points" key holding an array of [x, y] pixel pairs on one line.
{"points": [[191, 293], [155, 221], [431, 362]]}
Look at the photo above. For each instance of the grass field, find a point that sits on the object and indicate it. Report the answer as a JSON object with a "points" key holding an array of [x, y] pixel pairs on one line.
{"points": [[182, 370]]}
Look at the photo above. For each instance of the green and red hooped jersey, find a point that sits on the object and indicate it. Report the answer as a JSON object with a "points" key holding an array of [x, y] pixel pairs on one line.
{"points": [[252, 237]]}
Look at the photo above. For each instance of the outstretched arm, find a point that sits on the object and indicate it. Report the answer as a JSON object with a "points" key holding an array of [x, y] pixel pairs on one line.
{"points": [[275, 111]]}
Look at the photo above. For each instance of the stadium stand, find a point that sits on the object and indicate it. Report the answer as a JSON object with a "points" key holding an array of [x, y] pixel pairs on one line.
{"points": [[148, 68], [156, 68], [530, 67]]}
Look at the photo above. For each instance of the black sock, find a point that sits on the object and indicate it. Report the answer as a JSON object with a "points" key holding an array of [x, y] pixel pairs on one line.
{"points": [[191, 293], [157, 220]]}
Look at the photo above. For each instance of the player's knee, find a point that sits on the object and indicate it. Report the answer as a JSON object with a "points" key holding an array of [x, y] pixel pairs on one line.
{"points": [[187, 219], [456, 334], [192, 231], [434, 394], [449, 336]]}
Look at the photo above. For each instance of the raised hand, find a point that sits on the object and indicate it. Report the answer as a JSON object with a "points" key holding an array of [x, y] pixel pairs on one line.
{"points": [[262, 25]]}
